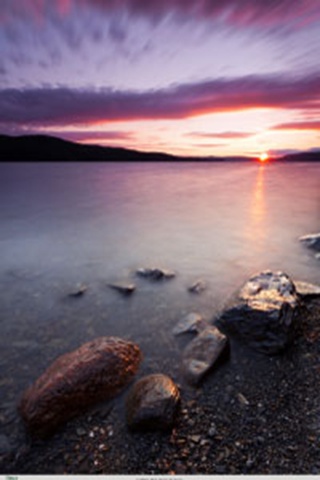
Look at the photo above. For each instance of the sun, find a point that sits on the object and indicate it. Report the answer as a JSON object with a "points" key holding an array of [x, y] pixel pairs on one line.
{"points": [[264, 157]]}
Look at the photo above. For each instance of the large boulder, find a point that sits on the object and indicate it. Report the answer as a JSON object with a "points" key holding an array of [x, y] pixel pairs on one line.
{"points": [[263, 312], [96, 371], [152, 403], [202, 352], [312, 240]]}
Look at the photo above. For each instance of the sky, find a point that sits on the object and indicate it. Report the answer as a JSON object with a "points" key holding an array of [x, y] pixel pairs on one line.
{"points": [[187, 77]]}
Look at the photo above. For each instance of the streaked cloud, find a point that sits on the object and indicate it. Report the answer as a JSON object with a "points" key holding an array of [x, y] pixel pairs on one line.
{"points": [[234, 12], [51, 106], [227, 135], [298, 126]]}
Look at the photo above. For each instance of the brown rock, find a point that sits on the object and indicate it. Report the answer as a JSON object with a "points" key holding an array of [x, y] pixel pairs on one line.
{"points": [[152, 403], [96, 371]]}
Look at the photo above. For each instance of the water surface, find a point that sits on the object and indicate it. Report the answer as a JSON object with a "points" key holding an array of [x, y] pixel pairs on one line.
{"points": [[62, 224]]}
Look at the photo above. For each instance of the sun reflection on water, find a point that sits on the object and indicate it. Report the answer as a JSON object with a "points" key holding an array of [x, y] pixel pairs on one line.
{"points": [[257, 217]]}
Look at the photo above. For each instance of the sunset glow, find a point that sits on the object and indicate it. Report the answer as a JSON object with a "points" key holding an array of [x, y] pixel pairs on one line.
{"points": [[191, 78], [264, 157]]}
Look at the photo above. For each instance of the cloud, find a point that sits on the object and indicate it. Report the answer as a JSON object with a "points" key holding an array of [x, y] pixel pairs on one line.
{"points": [[226, 135], [210, 145], [305, 125], [65, 106], [87, 135], [233, 12]]}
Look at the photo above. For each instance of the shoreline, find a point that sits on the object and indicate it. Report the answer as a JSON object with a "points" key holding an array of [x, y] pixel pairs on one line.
{"points": [[251, 415]]}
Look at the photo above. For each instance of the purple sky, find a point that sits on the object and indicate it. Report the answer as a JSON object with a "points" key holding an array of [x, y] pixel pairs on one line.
{"points": [[199, 77]]}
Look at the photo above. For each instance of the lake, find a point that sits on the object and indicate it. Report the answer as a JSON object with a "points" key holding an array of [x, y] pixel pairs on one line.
{"points": [[64, 224]]}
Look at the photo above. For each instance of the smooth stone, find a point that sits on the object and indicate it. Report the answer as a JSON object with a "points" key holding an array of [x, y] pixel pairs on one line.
{"points": [[193, 322], [263, 312], [197, 287], [311, 240], [154, 273], [95, 372], [152, 403], [202, 352], [124, 288], [305, 289]]}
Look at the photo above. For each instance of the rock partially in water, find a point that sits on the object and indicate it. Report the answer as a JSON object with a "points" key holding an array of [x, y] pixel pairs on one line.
{"points": [[78, 291], [193, 322], [197, 287], [96, 371], [202, 352], [152, 403], [311, 240], [263, 312], [124, 288], [305, 289], [155, 273]]}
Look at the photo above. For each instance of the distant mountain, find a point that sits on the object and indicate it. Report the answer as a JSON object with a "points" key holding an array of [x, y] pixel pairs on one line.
{"points": [[43, 147], [302, 157], [46, 148]]}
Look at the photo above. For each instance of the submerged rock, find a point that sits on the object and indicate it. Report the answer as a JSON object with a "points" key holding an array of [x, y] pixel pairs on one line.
{"points": [[96, 371], [193, 322], [202, 352], [262, 313], [305, 289], [311, 240], [124, 288], [154, 273], [197, 287], [152, 403]]}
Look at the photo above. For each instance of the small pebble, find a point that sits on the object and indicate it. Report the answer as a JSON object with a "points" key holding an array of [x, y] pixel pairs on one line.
{"points": [[212, 430]]}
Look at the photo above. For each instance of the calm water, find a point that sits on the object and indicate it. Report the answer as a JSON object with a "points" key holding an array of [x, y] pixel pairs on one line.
{"points": [[63, 224]]}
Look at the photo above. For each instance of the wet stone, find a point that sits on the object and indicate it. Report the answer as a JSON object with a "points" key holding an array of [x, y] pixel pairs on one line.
{"points": [[122, 287], [201, 354], [152, 403], [155, 273], [311, 240], [79, 291], [96, 371], [197, 287], [305, 289], [263, 312], [193, 322]]}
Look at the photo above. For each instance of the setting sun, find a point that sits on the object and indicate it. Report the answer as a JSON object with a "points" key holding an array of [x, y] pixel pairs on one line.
{"points": [[263, 157]]}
